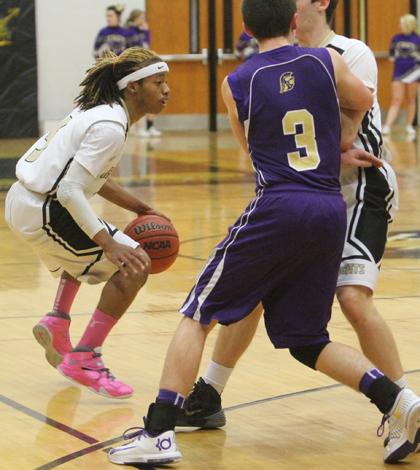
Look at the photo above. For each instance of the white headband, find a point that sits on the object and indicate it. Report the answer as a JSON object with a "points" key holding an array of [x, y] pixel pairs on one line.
{"points": [[153, 69]]}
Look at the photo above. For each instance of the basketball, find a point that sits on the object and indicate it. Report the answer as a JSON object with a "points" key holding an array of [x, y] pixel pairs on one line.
{"points": [[158, 238]]}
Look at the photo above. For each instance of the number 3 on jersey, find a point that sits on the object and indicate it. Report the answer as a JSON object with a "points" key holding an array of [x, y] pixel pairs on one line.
{"points": [[305, 140]]}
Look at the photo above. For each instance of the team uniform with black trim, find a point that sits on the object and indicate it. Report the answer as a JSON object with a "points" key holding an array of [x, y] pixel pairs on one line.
{"points": [[95, 140], [371, 194], [285, 249]]}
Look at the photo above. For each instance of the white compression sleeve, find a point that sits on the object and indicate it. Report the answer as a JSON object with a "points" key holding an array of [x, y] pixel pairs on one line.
{"points": [[71, 195]]}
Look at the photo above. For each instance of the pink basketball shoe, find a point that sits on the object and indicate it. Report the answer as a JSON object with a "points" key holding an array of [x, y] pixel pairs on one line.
{"points": [[52, 333], [86, 368]]}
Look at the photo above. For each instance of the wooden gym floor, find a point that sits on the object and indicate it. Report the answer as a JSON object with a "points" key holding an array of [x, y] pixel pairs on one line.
{"points": [[280, 414]]}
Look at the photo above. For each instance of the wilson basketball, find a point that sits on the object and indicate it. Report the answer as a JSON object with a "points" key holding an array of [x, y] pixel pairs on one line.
{"points": [[158, 238]]}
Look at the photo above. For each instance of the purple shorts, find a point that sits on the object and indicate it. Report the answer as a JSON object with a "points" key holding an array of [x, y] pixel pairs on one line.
{"points": [[284, 251]]}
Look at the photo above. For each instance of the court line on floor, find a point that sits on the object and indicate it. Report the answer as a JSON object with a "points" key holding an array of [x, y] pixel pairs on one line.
{"points": [[104, 444], [294, 394], [79, 453], [194, 258], [45, 419], [198, 239]]}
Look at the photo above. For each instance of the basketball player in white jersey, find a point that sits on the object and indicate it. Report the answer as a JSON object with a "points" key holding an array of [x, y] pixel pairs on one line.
{"points": [[371, 196], [49, 208]]}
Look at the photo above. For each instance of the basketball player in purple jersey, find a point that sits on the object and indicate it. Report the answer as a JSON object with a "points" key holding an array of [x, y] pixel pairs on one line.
{"points": [[371, 196], [290, 237]]}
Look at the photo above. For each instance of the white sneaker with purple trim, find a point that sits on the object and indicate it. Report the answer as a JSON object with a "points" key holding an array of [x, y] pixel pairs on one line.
{"points": [[146, 449], [404, 427]]}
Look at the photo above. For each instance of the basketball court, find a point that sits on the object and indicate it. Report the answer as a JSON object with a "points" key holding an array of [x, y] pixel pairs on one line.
{"points": [[280, 415]]}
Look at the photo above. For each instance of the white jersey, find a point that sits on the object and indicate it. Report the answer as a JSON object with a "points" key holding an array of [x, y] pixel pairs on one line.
{"points": [[362, 63], [371, 194], [94, 138]]}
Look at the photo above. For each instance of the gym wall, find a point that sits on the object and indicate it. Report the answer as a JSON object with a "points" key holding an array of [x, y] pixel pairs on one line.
{"points": [[66, 30]]}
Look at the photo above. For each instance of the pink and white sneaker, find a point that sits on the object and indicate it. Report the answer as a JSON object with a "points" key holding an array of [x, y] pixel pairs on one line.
{"points": [[52, 333], [86, 368]]}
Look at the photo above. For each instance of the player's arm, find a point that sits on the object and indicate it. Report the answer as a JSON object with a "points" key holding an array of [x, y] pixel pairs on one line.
{"points": [[119, 196], [99, 148], [354, 95], [236, 125], [354, 157], [71, 195], [362, 63], [350, 125], [352, 92]]}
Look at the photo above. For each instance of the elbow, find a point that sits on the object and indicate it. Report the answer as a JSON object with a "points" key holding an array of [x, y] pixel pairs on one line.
{"points": [[63, 194], [369, 101]]}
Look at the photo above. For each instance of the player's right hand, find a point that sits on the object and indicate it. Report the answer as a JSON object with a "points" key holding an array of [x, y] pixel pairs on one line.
{"points": [[129, 261], [360, 158]]}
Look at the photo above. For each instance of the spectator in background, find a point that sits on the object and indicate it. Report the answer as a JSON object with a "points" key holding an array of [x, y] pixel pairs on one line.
{"points": [[113, 37], [246, 47], [138, 29], [138, 34], [405, 53]]}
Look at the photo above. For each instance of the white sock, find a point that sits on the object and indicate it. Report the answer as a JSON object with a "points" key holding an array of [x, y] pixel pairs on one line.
{"points": [[402, 382], [217, 376]]}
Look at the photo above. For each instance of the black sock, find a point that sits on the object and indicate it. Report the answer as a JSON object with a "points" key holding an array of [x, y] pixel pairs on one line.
{"points": [[383, 393], [161, 417]]}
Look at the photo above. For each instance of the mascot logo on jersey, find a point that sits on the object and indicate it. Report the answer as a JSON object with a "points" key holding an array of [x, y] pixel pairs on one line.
{"points": [[287, 82], [5, 34]]}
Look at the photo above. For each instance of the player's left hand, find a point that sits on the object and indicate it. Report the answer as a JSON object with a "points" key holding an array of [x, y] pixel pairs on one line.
{"points": [[153, 212], [360, 158]]}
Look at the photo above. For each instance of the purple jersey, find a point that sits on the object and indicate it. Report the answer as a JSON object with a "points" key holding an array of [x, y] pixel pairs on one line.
{"points": [[405, 50], [286, 99], [138, 37], [111, 39]]}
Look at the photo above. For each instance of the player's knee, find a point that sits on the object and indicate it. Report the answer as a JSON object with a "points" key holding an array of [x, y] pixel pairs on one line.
{"points": [[132, 283], [141, 277], [354, 302], [308, 355]]}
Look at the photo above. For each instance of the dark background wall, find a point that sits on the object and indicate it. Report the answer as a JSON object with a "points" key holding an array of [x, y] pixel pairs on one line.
{"points": [[18, 69]]}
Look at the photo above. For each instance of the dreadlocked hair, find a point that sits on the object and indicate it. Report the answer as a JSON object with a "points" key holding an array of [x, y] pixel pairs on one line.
{"points": [[100, 83]]}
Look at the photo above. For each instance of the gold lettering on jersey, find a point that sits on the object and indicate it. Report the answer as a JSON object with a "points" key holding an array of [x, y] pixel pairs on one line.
{"points": [[304, 140], [287, 82], [115, 38], [5, 34], [353, 268]]}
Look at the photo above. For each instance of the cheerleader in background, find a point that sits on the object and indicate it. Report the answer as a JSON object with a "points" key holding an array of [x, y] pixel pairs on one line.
{"points": [[113, 37], [405, 53]]}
